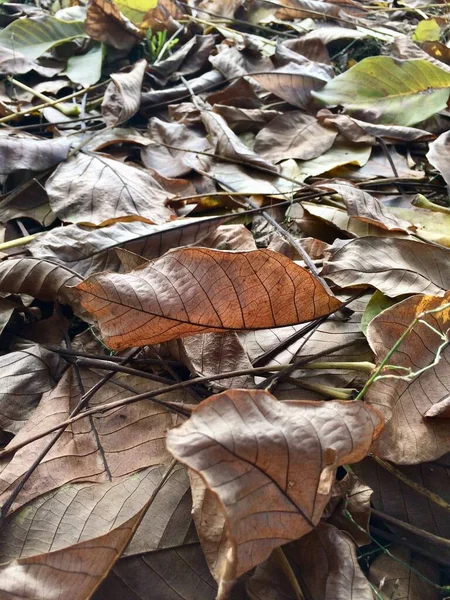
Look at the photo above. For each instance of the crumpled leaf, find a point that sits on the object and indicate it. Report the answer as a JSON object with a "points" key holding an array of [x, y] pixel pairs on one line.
{"points": [[41, 279], [340, 154], [393, 266], [123, 95], [27, 152], [397, 92], [34, 36], [271, 465], [88, 250], [326, 564], [415, 411], [25, 374], [91, 450], [294, 135], [438, 155], [194, 290], [105, 23], [171, 162], [93, 188]]}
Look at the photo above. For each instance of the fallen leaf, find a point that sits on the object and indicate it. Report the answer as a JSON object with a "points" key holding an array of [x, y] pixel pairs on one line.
{"points": [[105, 23], [416, 427], [25, 375], [392, 90], [405, 48], [92, 450], [41, 279], [86, 69], [341, 153], [438, 155], [393, 266], [294, 135], [244, 442], [93, 188], [89, 250], [123, 95], [27, 152], [194, 290], [136, 10], [245, 119], [180, 158], [325, 563], [401, 575]]}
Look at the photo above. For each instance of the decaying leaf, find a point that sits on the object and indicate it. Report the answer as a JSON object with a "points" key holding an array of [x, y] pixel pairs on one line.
{"points": [[438, 155], [248, 446], [194, 290], [123, 95], [26, 152], [105, 23]]}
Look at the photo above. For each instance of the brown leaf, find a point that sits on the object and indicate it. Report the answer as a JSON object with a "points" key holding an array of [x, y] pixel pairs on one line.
{"points": [[123, 95], [174, 574], [244, 444], [88, 250], [438, 155], [118, 443], [78, 512], [219, 8], [171, 162], [304, 9], [30, 201], [411, 435], [326, 565], [393, 266], [294, 135], [245, 119], [229, 237], [105, 23], [294, 83], [367, 208], [41, 279], [73, 572], [379, 165], [163, 15], [93, 188], [25, 374], [405, 48], [194, 290], [397, 578], [228, 145], [26, 152]]}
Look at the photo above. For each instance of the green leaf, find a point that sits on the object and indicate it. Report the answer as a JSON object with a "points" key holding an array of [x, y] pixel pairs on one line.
{"points": [[376, 304], [33, 37], [395, 91], [135, 10], [86, 69], [427, 31]]}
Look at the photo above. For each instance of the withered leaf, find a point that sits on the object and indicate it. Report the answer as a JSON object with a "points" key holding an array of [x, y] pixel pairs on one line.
{"points": [[88, 250], [438, 155], [105, 23], [294, 135], [271, 465], [27, 152], [115, 444], [416, 411], [393, 266], [93, 188], [123, 95], [194, 290]]}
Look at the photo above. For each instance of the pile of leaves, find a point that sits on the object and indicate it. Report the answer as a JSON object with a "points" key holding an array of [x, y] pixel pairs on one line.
{"points": [[224, 305]]}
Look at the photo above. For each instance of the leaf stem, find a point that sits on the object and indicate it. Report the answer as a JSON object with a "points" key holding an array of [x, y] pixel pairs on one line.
{"points": [[20, 241], [365, 366], [281, 560], [65, 110]]}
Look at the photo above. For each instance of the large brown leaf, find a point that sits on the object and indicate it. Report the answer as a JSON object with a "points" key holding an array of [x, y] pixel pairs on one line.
{"points": [[78, 512], [325, 563], [294, 135], [393, 266], [416, 411], [105, 23], [114, 444], [41, 279], [93, 188], [88, 250], [193, 290], [271, 465]]}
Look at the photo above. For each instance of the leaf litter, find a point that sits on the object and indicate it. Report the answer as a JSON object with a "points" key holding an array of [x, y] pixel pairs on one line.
{"points": [[224, 300]]}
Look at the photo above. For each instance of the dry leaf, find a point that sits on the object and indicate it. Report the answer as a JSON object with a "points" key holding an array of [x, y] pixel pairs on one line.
{"points": [[393, 266], [194, 290], [105, 23], [271, 465], [93, 188], [415, 411], [438, 155], [26, 152], [123, 95]]}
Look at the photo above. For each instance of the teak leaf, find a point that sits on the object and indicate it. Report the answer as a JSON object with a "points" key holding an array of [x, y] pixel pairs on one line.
{"points": [[271, 464], [195, 290]]}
